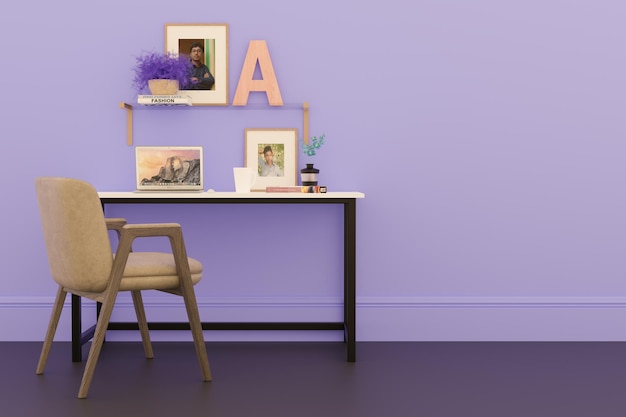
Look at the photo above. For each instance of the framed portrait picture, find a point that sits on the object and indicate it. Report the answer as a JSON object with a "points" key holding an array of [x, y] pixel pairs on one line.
{"points": [[274, 154], [207, 46]]}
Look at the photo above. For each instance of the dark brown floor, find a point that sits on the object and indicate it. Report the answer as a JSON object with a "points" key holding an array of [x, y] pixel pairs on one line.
{"points": [[503, 379]]}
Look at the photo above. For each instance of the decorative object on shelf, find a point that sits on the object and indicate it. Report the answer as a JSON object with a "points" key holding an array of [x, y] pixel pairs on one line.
{"points": [[310, 174], [209, 44], [273, 154], [161, 70], [257, 61]]}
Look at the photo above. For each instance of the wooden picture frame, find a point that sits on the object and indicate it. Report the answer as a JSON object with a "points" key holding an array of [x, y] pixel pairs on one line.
{"points": [[277, 144], [214, 38]]}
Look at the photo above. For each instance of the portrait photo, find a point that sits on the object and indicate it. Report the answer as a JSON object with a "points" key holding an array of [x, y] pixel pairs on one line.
{"points": [[201, 53], [206, 45], [271, 160], [273, 154]]}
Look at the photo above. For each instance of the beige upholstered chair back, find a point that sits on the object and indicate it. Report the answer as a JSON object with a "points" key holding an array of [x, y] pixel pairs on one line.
{"points": [[75, 233]]}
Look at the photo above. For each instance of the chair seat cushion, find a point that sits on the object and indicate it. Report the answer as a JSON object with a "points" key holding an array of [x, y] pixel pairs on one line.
{"points": [[155, 270]]}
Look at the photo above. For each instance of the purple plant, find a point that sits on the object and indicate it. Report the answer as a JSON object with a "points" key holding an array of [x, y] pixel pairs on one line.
{"points": [[162, 66]]}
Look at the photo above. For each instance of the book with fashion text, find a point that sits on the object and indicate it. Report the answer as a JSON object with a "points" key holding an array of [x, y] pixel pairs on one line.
{"points": [[164, 100]]}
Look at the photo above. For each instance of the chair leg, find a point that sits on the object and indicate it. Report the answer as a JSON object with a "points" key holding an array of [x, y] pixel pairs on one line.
{"points": [[196, 330], [143, 323], [52, 328], [187, 291], [96, 343]]}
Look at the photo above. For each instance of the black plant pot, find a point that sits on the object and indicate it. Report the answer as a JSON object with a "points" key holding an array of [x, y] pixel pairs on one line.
{"points": [[309, 175]]}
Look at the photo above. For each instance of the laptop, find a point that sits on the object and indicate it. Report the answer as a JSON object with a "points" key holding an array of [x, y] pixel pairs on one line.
{"points": [[169, 168]]}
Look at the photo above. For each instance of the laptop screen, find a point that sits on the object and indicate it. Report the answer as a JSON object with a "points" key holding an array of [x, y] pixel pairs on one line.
{"points": [[169, 168]]}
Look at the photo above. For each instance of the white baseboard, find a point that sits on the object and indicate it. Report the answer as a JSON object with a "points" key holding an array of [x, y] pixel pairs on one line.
{"points": [[378, 318], [491, 319]]}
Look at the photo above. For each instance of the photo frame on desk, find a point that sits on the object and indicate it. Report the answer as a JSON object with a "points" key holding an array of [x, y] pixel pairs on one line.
{"points": [[213, 38], [273, 152]]}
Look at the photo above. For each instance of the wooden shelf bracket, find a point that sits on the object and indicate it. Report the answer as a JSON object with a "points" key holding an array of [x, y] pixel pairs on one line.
{"points": [[129, 122]]}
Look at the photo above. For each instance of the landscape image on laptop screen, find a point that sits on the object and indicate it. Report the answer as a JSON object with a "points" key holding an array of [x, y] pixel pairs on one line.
{"points": [[169, 168]]}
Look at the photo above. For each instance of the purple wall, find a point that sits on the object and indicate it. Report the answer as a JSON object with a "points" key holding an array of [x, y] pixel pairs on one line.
{"points": [[488, 137]]}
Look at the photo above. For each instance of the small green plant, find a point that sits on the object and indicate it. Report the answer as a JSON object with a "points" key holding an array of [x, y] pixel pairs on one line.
{"points": [[315, 143]]}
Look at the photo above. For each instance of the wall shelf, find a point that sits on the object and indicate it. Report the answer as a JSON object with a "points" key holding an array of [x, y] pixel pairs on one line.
{"points": [[129, 118]]}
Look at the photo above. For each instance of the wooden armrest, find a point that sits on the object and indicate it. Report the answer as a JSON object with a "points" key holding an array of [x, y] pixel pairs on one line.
{"points": [[153, 229], [115, 224], [173, 231]]}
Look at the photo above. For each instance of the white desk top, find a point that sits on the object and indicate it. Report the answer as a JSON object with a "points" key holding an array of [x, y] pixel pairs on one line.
{"points": [[220, 194]]}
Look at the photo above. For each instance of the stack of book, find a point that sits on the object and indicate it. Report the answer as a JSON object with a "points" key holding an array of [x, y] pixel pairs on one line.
{"points": [[169, 100]]}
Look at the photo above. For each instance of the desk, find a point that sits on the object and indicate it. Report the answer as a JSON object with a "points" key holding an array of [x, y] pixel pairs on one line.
{"points": [[346, 199]]}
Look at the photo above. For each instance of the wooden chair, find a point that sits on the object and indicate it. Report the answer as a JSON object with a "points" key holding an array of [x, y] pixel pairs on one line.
{"points": [[82, 263]]}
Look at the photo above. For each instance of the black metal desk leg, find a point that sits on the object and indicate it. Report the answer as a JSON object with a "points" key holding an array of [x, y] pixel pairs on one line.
{"points": [[349, 265], [76, 329]]}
